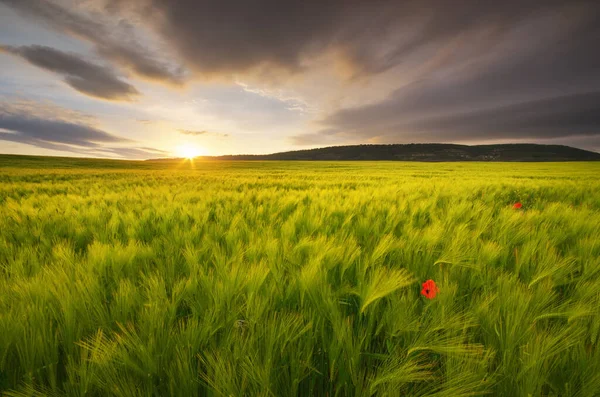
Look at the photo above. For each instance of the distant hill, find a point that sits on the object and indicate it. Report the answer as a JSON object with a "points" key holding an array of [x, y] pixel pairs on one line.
{"points": [[431, 152]]}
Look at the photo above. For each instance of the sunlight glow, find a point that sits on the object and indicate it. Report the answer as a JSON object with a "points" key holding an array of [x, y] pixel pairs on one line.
{"points": [[190, 151]]}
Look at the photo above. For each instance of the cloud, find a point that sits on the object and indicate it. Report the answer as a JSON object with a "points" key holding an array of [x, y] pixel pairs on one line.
{"points": [[293, 103], [30, 123], [201, 132], [230, 37], [192, 132], [141, 153], [85, 77], [576, 115], [583, 142], [233, 37], [115, 42], [454, 71], [556, 117], [29, 126], [469, 70], [536, 78], [324, 137]]}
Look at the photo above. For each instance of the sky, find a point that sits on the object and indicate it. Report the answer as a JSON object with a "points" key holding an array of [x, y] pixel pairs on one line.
{"points": [[139, 79]]}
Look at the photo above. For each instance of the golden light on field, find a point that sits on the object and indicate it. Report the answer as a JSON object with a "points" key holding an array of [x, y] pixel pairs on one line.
{"points": [[190, 151]]}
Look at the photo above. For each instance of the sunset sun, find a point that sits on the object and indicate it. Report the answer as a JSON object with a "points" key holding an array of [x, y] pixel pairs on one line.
{"points": [[190, 151]]}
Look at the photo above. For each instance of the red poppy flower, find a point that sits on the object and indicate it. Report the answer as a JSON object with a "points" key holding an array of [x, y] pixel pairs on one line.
{"points": [[429, 290], [517, 206]]}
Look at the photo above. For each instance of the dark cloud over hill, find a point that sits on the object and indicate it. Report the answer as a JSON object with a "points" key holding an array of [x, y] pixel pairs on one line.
{"points": [[457, 70]]}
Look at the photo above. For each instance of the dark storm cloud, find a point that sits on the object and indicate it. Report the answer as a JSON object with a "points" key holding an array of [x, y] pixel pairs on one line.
{"points": [[577, 114], [537, 77], [88, 78], [121, 49], [572, 115], [24, 125], [233, 35], [473, 69], [582, 142]]}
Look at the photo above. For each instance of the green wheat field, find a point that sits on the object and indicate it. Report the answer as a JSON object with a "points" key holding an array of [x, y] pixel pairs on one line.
{"points": [[298, 278]]}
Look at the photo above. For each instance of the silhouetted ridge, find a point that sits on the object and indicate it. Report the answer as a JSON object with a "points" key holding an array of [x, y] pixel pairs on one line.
{"points": [[430, 152]]}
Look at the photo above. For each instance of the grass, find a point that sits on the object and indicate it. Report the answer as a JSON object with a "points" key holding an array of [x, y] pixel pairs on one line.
{"points": [[298, 279]]}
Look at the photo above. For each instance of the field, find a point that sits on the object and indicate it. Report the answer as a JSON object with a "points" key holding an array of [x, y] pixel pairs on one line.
{"points": [[298, 278]]}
